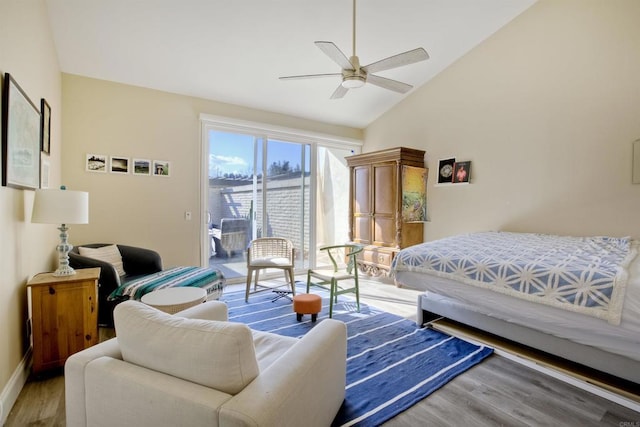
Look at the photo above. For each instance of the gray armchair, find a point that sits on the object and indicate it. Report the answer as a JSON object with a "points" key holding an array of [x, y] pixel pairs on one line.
{"points": [[137, 262]]}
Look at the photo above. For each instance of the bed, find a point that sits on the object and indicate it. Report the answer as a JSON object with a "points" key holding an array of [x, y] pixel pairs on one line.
{"points": [[573, 297]]}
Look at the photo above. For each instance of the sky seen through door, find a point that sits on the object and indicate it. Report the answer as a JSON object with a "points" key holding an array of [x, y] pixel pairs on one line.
{"points": [[231, 154]]}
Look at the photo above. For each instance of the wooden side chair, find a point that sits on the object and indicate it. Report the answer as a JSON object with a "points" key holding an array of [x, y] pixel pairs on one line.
{"points": [[343, 268], [269, 252]]}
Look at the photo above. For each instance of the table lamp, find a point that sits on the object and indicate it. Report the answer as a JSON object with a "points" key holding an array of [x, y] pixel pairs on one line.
{"points": [[51, 206]]}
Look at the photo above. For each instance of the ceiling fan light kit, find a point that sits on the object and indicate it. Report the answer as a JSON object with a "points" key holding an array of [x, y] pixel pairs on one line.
{"points": [[353, 82], [354, 76]]}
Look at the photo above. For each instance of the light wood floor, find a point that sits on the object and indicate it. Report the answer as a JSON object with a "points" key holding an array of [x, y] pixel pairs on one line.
{"points": [[497, 392]]}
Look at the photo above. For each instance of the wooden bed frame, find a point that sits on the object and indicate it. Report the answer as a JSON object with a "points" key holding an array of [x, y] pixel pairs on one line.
{"points": [[610, 363]]}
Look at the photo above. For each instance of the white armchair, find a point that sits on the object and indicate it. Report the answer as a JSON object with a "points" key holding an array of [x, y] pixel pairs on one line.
{"points": [[196, 369]]}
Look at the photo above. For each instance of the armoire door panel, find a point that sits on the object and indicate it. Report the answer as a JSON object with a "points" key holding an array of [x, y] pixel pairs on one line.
{"points": [[362, 229], [385, 185], [362, 190], [384, 231]]}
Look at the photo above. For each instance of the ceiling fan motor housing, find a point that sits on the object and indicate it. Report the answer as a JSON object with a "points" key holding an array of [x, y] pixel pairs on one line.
{"points": [[355, 78]]}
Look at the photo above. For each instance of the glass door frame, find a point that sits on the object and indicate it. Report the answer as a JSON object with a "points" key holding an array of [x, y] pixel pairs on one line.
{"points": [[266, 131]]}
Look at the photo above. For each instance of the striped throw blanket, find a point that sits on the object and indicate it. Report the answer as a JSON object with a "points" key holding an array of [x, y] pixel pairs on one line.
{"points": [[210, 279]]}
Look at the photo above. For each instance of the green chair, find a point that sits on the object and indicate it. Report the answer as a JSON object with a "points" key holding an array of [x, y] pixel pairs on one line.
{"points": [[343, 267]]}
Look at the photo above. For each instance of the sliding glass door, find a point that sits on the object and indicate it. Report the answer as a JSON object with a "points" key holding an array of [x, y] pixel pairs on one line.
{"points": [[264, 181], [258, 187]]}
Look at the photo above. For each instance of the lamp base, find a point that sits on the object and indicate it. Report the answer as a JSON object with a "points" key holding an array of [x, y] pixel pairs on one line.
{"points": [[64, 271]]}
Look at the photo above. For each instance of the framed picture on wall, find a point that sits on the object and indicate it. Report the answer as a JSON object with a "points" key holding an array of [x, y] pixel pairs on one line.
{"points": [[45, 126], [96, 163], [141, 167], [161, 168], [119, 164], [20, 138], [445, 170], [461, 172], [414, 194]]}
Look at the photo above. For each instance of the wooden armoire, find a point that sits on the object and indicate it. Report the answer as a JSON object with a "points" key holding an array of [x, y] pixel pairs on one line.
{"points": [[375, 207]]}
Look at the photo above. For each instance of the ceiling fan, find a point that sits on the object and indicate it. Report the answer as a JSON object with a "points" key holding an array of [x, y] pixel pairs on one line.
{"points": [[355, 76]]}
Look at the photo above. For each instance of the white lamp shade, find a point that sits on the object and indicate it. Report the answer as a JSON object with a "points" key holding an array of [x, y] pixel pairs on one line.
{"points": [[51, 206]]}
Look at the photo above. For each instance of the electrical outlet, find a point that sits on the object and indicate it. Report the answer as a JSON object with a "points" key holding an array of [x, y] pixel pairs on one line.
{"points": [[187, 216]]}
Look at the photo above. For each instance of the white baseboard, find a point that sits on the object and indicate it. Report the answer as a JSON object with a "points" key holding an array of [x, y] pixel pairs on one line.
{"points": [[13, 388]]}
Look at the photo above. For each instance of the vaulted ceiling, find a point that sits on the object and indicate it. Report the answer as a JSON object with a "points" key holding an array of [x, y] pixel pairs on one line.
{"points": [[234, 51]]}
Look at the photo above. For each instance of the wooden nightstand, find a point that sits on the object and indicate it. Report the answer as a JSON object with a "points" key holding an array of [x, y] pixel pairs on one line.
{"points": [[64, 316]]}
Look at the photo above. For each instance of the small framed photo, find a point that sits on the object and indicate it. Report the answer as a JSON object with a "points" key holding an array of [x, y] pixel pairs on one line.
{"points": [[45, 126], [445, 170], [119, 164], [96, 163], [461, 172], [161, 168], [141, 167]]}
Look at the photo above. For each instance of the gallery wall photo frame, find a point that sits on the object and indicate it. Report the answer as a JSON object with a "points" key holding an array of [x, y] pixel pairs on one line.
{"points": [[161, 168], [20, 138], [142, 167], [96, 163], [445, 170], [45, 126], [462, 172], [118, 164]]}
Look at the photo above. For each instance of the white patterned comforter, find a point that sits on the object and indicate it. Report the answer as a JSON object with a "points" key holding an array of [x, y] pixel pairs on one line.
{"points": [[582, 274]]}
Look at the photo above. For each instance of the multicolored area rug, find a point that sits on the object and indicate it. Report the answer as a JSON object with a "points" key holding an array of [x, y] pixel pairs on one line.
{"points": [[391, 363]]}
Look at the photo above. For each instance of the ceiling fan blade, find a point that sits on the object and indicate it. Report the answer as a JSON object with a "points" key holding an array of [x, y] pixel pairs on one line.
{"points": [[332, 51], [309, 76], [385, 83], [339, 92], [399, 60]]}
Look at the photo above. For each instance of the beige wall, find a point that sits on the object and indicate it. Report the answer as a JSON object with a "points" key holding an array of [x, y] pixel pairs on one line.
{"points": [[28, 54], [104, 118], [113, 119], [547, 110]]}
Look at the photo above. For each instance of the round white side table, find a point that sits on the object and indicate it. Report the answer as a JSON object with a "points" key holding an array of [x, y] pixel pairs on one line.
{"points": [[173, 300]]}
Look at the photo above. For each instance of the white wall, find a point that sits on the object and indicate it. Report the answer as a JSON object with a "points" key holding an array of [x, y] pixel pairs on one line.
{"points": [[114, 119], [547, 110], [28, 54]]}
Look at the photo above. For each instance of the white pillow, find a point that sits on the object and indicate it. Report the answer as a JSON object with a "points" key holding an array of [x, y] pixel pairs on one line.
{"points": [[215, 354], [110, 254]]}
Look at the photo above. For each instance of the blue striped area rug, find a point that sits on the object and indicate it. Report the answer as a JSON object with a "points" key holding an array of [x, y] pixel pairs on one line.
{"points": [[391, 363]]}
